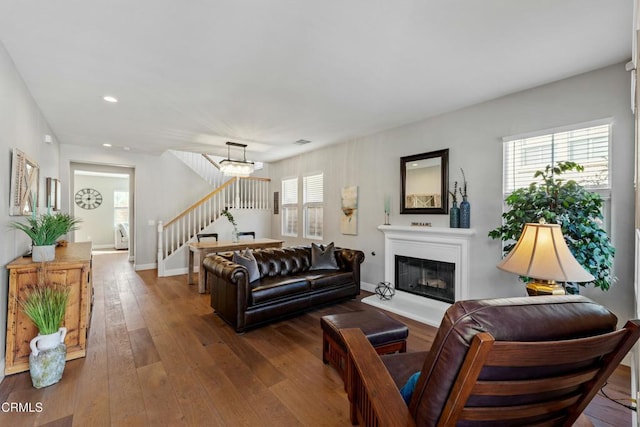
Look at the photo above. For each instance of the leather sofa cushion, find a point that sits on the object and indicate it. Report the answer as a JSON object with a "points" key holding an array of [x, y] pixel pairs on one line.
{"points": [[328, 278], [272, 288], [323, 257], [247, 260]]}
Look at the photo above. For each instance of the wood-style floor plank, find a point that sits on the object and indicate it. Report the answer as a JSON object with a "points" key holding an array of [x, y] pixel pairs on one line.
{"points": [[157, 355]]}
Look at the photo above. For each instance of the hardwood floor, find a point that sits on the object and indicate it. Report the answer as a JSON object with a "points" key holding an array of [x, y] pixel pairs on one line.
{"points": [[157, 355]]}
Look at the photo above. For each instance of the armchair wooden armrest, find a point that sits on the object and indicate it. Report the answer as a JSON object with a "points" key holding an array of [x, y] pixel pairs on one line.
{"points": [[373, 396]]}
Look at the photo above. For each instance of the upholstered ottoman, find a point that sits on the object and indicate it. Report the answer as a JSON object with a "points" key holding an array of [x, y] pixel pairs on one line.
{"points": [[386, 334]]}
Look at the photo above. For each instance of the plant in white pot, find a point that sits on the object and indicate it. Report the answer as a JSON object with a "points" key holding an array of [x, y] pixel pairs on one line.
{"points": [[44, 230], [46, 305]]}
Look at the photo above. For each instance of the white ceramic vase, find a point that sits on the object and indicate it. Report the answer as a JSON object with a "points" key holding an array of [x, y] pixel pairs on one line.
{"points": [[47, 342], [47, 359], [43, 253]]}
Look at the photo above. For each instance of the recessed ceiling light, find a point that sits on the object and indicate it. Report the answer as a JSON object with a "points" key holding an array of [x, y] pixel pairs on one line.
{"points": [[109, 98], [107, 145], [126, 148]]}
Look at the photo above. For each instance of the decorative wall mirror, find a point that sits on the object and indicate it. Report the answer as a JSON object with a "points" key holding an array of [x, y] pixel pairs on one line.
{"points": [[24, 184], [425, 183], [53, 194]]}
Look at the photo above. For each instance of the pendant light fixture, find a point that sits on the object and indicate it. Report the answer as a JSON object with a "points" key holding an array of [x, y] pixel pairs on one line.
{"points": [[236, 167]]}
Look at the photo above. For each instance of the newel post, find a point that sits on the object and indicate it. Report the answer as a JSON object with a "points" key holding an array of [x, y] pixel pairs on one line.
{"points": [[160, 250]]}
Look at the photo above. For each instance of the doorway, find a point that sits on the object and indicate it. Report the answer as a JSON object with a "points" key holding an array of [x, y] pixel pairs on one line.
{"points": [[102, 196]]}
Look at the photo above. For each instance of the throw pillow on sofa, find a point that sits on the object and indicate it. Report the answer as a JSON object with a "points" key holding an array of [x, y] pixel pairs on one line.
{"points": [[323, 257], [247, 260]]}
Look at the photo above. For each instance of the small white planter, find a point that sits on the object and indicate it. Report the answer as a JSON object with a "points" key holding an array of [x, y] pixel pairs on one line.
{"points": [[47, 342], [43, 253]]}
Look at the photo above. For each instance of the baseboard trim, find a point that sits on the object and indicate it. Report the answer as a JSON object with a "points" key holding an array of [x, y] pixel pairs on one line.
{"points": [[107, 246], [151, 266], [176, 271], [369, 287]]}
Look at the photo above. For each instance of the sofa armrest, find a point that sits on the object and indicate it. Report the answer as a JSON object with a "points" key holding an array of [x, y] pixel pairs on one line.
{"points": [[349, 259], [373, 395], [230, 289], [225, 269]]}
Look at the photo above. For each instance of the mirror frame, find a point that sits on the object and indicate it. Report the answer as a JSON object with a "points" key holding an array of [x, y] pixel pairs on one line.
{"points": [[444, 182], [25, 183]]}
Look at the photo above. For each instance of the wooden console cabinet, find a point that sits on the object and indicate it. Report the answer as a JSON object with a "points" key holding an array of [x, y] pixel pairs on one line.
{"points": [[72, 267]]}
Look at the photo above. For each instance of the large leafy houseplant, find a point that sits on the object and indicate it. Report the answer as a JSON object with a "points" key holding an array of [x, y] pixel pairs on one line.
{"points": [[47, 228], [576, 209]]}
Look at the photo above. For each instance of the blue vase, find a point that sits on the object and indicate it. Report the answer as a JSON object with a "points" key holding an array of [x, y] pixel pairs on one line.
{"points": [[454, 216], [465, 213]]}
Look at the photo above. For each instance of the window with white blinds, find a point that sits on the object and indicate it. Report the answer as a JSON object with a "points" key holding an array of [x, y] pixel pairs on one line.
{"points": [[313, 198], [587, 146], [120, 207], [290, 207]]}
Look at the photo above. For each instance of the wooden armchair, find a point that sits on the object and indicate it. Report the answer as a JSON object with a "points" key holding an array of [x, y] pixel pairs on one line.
{"points": [[512, 362]]}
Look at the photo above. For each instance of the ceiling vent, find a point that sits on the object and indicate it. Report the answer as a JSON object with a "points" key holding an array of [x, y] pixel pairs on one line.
{"points": [[302, 142]]}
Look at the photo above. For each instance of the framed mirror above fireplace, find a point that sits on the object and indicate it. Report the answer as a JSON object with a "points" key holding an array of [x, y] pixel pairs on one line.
{"points": [[424, 183]]}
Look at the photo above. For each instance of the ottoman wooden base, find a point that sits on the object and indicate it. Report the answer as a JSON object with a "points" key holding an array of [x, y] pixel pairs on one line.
{"points": [[386, 334]]}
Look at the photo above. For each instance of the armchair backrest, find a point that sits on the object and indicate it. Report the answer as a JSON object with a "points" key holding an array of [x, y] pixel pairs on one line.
{"points": [[558, 346]]}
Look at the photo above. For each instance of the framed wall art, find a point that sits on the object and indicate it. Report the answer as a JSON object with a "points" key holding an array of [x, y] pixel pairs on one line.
{"points": [[24, 184], [349, 219]]}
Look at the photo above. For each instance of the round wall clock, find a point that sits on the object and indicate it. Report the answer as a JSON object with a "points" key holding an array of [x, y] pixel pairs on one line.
{"points": [[88, 198]]}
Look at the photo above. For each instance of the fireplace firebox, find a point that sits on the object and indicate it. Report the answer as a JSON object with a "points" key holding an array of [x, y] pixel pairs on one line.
{"points": [[426, 278]]}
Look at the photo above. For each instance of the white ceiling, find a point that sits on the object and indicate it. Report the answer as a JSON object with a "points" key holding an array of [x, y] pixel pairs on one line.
{"points": [[194, 74]]}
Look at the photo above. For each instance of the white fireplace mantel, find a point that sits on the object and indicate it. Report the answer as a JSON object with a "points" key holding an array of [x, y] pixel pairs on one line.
{"points": [[434, 243]]}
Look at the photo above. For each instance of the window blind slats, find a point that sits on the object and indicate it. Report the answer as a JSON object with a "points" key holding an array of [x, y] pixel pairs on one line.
{"points": [[589, 147], [290, 207], [313, 196], [313, 188], [290, 191]]}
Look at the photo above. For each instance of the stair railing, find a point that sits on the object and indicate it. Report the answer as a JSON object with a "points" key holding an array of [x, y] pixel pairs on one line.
{"points": [[236, 193]]}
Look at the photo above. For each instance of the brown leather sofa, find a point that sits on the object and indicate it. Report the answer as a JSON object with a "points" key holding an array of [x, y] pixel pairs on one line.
{"points": [[286, 285]]}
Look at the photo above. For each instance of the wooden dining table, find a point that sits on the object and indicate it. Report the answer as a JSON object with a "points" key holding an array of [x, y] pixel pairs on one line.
{"points": [[204, 248]]}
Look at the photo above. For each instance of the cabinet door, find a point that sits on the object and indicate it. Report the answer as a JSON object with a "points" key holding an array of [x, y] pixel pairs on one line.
{"points": [[20, 329]]}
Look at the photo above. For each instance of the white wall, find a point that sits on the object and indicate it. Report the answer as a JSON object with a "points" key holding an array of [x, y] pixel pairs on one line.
{"points": [[97, 224], [23, 126], [474, 138]]}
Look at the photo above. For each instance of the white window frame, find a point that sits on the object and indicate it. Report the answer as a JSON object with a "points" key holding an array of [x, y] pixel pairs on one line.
{"points": [[289, 206], [547, 137], [313, 205], [117, 207]]}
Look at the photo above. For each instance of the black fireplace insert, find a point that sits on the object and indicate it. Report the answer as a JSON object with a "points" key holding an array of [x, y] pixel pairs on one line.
{"points": [[426, 278]]}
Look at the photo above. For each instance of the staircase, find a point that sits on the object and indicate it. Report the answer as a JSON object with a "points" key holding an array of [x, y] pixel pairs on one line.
{"points": [[235, 193], [203, 165]]}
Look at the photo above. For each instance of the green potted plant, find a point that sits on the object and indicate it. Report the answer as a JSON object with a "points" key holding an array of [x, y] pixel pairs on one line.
{"points": [[44, 230], [576, 209], [46, 305]]}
